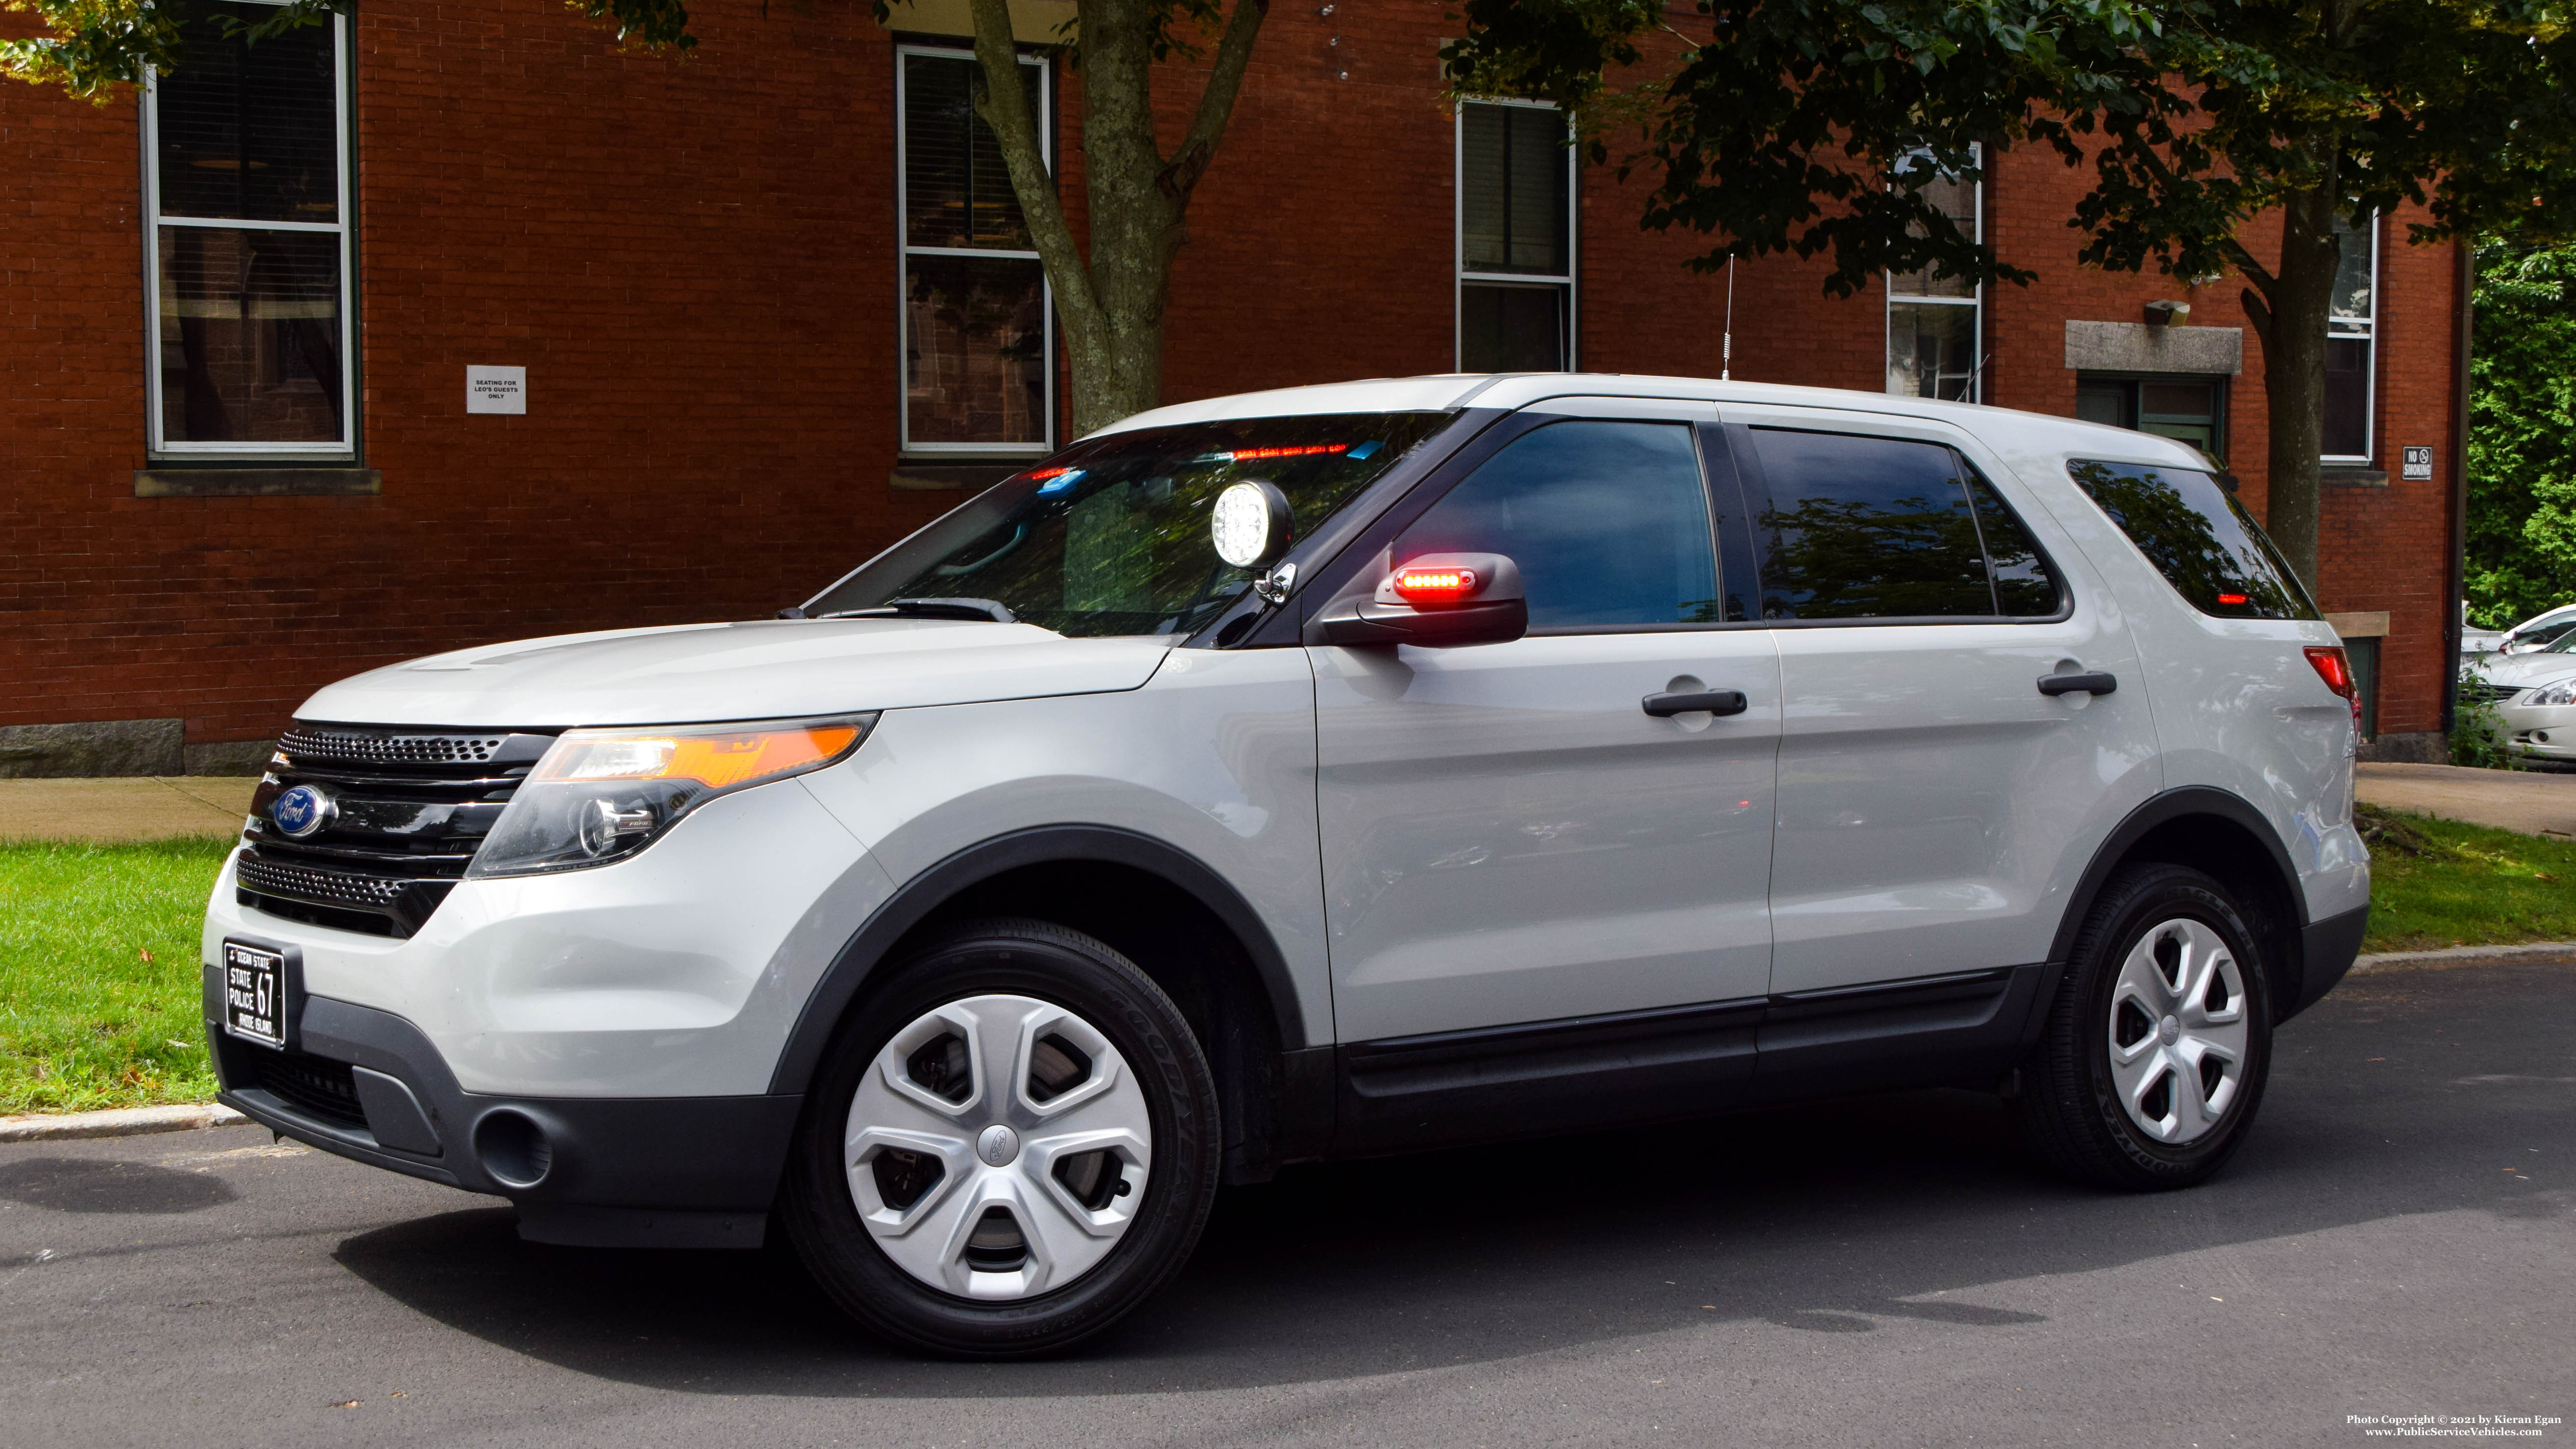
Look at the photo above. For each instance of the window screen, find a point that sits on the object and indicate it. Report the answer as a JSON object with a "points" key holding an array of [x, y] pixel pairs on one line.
{"points": [[1867, 528], [975, 337], [1607, 521], [2199, 537], [249, 247]]}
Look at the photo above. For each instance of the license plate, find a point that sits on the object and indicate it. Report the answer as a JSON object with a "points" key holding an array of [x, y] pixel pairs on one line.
{"points": [[255, 993]]}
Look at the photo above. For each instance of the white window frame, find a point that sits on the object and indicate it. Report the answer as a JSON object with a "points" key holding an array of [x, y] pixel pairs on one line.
{"points": [[1975, 300], [2366, 331], [154, 221], [905, 250], [1461, 277]]}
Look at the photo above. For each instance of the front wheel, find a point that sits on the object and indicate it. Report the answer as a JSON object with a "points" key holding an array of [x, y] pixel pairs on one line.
{"points": [[2159, 1041], [1012, 1145]]}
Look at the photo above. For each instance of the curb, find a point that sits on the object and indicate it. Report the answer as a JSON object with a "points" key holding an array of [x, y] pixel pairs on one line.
{"points": [[2465, 956], [120, 1122]]}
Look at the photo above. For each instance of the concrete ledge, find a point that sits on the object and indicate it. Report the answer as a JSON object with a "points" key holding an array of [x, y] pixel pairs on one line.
{"points": [[2137, 347], [255, 482], [941, 477], [121, 1122], [2537, 952], [93, 748]]}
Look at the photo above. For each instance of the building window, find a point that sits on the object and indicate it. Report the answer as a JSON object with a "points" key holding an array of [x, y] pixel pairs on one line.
{"points": [[2352, 328], [1933, 323], [978, 325], [2190, 409], [247, 195], [1515, 238]]}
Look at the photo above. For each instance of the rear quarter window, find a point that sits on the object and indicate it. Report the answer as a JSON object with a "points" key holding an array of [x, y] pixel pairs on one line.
{"points": [[2199, 537]]}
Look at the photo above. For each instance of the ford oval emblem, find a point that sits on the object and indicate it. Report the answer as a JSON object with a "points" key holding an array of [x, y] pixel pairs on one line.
{"points": [[302, 811]]}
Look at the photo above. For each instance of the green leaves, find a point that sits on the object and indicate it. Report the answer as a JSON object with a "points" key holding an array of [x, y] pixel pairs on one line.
{"points": [[96, 48], [2522, 434]]}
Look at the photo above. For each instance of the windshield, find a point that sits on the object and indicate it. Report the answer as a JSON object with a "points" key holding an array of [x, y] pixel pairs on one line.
{"points": [[1111, 536]]}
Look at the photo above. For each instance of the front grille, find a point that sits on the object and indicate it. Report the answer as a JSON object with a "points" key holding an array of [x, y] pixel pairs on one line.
{"points": [[409, 809], [389, 749], [315, 1086], [2480, 692]]}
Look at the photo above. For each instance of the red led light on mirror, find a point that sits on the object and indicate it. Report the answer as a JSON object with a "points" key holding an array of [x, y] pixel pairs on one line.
{"points": [[1435, 583], [2231, 599]]}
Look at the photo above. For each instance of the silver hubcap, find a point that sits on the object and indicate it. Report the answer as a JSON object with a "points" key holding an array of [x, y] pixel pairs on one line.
{"points": [[998, 1147], [2178, 1031]]}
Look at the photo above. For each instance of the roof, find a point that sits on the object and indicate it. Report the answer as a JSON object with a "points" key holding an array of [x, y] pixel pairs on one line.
{"points": [[1443, 392]]}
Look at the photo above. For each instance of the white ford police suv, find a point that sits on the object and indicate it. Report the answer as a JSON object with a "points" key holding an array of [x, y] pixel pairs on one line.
{"points": [[1320, 773]]}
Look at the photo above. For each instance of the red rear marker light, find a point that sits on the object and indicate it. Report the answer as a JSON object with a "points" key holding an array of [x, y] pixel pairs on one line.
{"points": [[2335, 668], [1435, 585]]}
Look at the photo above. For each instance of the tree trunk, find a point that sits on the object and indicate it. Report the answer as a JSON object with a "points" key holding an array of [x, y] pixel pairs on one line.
{"points": [[2290, 321], [1111, 305]]}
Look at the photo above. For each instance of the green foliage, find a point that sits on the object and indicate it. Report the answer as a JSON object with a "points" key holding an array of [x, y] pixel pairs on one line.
{"points": [[2522, 435], [2478, 733], [99, 983], [95, 49]]}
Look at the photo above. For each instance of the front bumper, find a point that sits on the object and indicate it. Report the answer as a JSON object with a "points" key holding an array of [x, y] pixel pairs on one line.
{"points": [[690, 1172], [2543, 732]]}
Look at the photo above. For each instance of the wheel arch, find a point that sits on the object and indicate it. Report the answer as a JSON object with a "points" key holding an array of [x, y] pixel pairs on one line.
{"points": [[1180, 921], [2221, 833]]}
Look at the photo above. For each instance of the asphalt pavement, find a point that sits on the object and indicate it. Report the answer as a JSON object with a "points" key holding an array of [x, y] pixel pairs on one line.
{"points": [[2394, 1240]]}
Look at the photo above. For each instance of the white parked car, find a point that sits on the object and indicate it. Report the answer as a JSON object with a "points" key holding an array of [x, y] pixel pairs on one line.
{"points": [[1320, 773], [2537, 632], [2534, 694]]}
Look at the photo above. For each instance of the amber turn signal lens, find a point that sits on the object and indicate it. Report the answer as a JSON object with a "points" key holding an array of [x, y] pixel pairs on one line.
{"points": [[717, 760]]}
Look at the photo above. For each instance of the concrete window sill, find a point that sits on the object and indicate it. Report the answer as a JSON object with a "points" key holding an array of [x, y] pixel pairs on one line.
{"points": [[254, 482]]}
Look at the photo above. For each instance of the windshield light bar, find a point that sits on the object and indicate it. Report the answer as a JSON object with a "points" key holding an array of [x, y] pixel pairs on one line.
{"points": [[1308, 450]]}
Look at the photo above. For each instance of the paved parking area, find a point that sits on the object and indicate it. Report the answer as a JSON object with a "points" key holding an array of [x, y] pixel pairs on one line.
{"points": [[2396, 1239]]}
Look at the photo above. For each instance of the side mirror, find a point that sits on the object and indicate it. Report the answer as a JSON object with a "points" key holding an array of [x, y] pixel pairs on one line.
{"points": [[1252, 524], [1436, 601]]}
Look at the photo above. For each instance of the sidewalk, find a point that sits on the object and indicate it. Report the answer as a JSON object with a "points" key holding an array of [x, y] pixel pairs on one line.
{"points": [[2524, 800], [137, 807]]}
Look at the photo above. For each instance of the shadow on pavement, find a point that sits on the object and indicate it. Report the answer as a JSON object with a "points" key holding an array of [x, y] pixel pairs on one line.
{"points": [[2400, 1095], [80, 1185]]}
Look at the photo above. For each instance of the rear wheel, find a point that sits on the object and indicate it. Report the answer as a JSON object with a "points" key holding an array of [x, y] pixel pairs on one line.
{"points": [[2159, 1042], [1010, 1147]]}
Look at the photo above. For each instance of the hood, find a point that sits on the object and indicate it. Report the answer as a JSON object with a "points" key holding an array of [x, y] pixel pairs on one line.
{"points": [[765, 669], [2524, 670]]}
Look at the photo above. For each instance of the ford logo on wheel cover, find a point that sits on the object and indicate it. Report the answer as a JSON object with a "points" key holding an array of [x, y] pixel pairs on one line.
{"points": [[302, 811]]}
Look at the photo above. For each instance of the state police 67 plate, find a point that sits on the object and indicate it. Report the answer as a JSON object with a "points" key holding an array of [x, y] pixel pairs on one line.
{"points": [[255, 993]]}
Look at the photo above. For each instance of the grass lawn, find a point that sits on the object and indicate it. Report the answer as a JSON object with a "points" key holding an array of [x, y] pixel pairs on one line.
{"points": [[98, 974], [2440, 883], [99, 979]]}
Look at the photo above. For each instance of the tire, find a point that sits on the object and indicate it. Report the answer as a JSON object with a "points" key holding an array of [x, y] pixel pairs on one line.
{"points": [[2141, 1083], [1010, 1146]]}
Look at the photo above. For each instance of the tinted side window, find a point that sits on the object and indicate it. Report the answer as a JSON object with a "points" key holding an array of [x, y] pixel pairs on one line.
{"points": [[1865, 528], [2199, 537], [1608, 522], [2024, 587]]}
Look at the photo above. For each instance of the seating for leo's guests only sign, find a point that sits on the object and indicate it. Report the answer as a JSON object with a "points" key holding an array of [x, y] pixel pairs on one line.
{"points": [[496, 389]]}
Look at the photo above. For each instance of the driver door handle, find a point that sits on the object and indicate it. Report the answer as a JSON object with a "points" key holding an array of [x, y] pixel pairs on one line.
{"points": [[2097, 682], [1713, 701]]}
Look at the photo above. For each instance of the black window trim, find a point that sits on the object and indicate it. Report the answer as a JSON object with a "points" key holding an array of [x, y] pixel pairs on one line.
{"points": [[2288, 576], [1749, 470]]}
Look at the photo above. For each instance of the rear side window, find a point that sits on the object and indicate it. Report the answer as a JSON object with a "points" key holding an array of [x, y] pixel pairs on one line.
{"points": [[1607, 521], [2199, 537], [1888, 528]]}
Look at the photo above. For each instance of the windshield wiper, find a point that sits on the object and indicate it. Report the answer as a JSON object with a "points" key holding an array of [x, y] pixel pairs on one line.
{"points": [[987, 610]]}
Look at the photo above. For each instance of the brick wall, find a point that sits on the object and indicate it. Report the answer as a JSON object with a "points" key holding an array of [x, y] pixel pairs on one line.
{"points": [[695, 260]]}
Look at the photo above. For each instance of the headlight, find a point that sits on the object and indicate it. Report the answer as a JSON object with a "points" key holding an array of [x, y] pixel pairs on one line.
{"points": [[602, 795], [2557, 691]]}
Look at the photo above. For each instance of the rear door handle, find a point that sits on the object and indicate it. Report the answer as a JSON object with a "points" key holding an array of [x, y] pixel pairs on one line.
{"points": [[1712, 701], [2097, 682]]}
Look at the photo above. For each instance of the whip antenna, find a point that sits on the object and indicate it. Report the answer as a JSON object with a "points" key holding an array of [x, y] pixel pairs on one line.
{"points": [[1726, 346]]}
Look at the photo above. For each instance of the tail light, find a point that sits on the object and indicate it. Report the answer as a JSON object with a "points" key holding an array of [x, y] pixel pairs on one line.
{"points": [[2335, 668]]}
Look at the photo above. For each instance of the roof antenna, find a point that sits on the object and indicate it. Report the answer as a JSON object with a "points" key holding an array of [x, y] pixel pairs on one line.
{"points": [[1726, 348]]}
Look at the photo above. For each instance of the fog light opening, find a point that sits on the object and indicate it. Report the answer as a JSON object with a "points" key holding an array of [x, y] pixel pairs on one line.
{"points": [[514, 1149]]}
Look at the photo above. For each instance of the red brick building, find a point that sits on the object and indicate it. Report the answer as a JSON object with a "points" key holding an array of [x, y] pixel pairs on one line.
{"points": [[771, 315]]}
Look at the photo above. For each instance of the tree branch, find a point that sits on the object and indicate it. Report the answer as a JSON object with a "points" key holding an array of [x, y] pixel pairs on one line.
{"points": [[1007, 107], [1216, 103]]}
